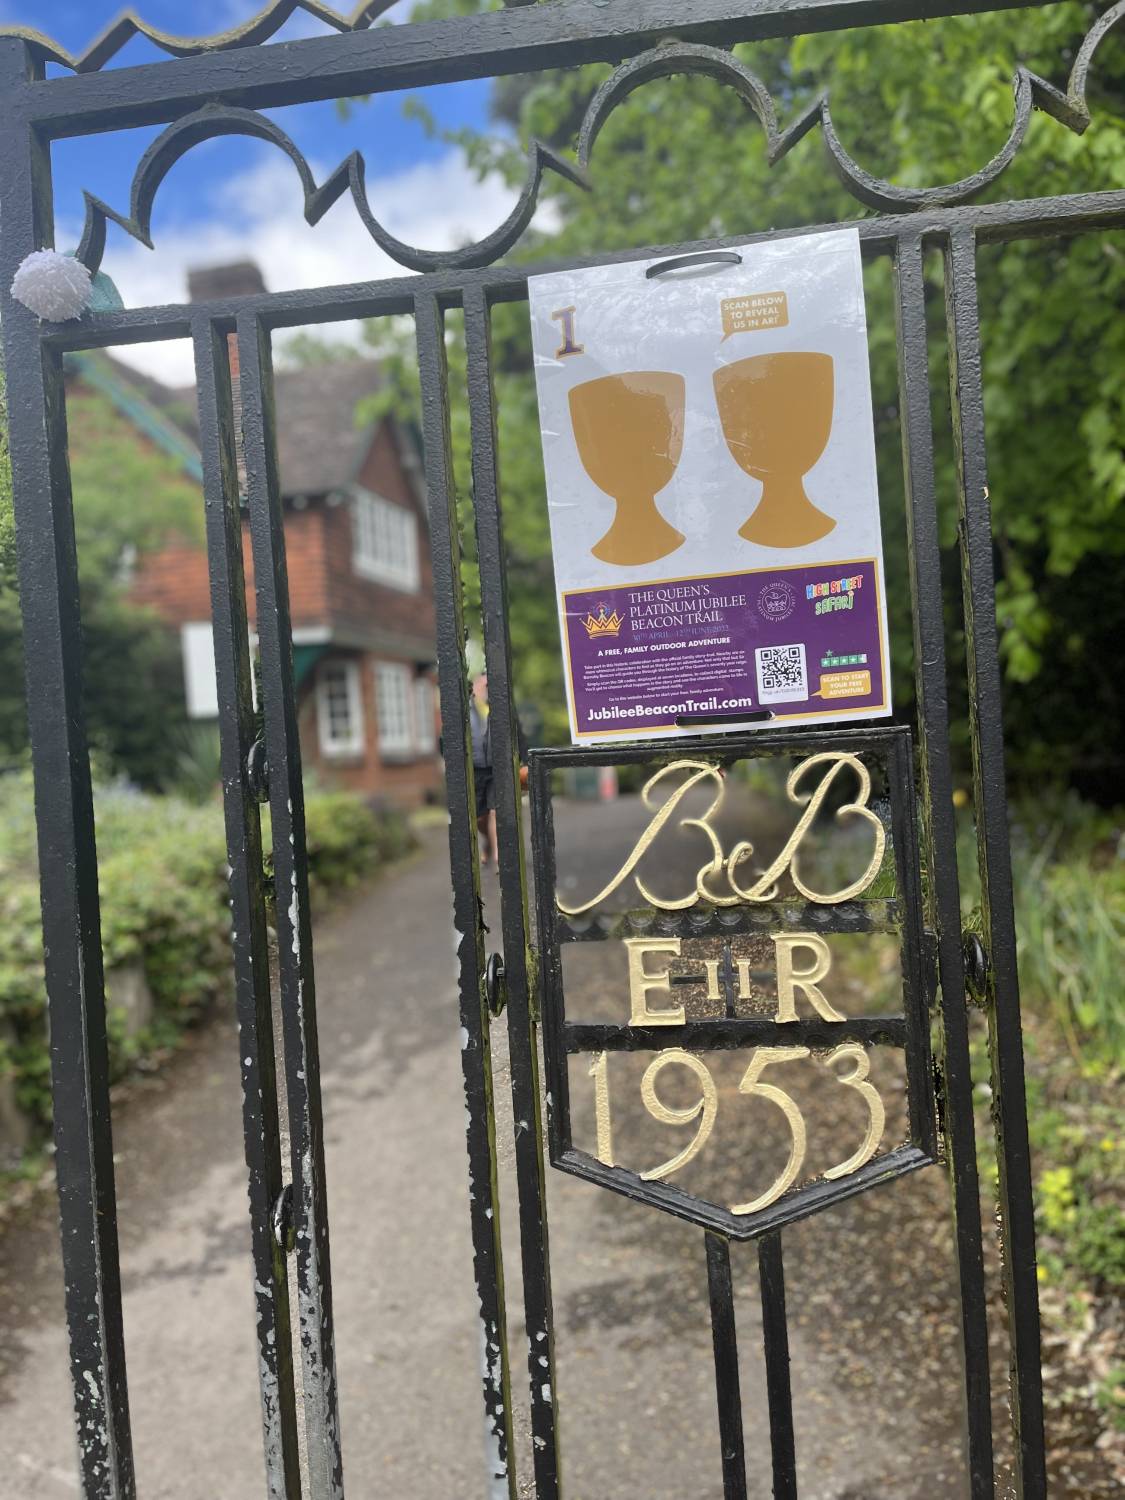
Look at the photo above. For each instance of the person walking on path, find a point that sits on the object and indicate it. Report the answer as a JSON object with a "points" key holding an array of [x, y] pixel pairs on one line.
{"points": [[482, 769]]}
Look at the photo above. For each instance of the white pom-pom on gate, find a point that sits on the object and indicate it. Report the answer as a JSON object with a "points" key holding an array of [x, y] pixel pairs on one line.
{"points": [[54, 286]]}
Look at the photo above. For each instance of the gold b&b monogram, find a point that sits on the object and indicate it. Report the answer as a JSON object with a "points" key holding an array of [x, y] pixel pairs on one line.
{"points": [[719, 880]]}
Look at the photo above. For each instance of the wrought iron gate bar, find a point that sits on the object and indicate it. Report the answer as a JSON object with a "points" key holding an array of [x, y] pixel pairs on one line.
{"points": [[815, 1196], [994, 855], [779, 1391], [766, 916], [476, 1046], [546, 911], [938, 841], [518, 963], [292, 916], [889, 1031], [992, 223], [522, 40], [68, 869], [253, 1004], [728, 1383]]}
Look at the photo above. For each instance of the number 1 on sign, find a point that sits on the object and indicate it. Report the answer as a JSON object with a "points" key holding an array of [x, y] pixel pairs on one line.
{"points": [[565, 317]]}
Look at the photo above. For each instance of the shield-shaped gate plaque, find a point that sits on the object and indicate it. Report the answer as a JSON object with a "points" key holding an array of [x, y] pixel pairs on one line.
{"points": [[735, 1001]]}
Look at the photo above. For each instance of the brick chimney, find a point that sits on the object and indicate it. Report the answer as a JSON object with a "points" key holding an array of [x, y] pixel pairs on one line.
{"points": [[240, 278]]}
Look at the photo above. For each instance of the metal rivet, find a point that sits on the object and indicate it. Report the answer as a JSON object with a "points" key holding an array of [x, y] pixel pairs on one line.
{"points": [[495, 987], [258, 771], [976, 966], [281, 1220]]}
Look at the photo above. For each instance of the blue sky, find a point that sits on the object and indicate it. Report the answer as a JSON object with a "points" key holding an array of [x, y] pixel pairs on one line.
{"points": [[236, 197]]}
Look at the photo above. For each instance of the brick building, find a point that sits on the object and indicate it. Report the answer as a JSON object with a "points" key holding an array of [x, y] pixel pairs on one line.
{"points": [[360, 582]]}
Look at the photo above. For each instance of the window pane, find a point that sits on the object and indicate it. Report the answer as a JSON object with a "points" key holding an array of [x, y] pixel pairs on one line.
{"points": [[199, 670], [339, 708], [393, 707], [385, 539], [424, 714]]}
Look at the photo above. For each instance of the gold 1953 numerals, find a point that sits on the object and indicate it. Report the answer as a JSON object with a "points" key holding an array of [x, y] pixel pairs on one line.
{"points": [[706, 1110]]}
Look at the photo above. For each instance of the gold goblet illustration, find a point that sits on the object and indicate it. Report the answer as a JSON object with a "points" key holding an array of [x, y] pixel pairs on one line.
{"points": [[776, 411], [630, 431]]}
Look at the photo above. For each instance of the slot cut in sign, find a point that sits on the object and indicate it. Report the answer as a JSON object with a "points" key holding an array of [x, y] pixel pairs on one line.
{"points": [[709, 451]]}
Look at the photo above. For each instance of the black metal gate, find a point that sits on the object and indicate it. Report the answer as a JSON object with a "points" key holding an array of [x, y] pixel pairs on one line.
{"points": [[207, 89]]}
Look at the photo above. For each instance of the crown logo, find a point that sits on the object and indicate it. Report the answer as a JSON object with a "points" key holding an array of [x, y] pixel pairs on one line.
{"points": [[602, 623]]}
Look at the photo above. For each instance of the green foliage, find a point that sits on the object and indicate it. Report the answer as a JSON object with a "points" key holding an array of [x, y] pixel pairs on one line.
{"points": [[197, 773], [1111, 1397], [127, 494], [1073, 946], [304, 349], [346, 840], [921, 103], [1069, 866], [1079, 1151], [1069, 869], [164, 904]]}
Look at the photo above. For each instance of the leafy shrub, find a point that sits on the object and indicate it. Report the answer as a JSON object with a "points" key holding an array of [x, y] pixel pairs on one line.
{"points": [[1070, 918], [1068, 862], [164, 904], [346, 839]]}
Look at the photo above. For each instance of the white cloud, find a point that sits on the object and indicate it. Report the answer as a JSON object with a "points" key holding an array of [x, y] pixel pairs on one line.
{"points": [[237, 12], [258, 215]]}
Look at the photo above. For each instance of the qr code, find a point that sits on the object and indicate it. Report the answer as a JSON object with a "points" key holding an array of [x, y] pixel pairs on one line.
{"points": [[782, 677]]}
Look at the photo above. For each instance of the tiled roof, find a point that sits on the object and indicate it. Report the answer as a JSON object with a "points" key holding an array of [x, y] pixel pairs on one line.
{"points": [[320, 446]]}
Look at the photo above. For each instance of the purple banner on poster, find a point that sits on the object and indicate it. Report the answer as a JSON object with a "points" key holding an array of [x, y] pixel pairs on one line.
{"points": [[783, 643]]}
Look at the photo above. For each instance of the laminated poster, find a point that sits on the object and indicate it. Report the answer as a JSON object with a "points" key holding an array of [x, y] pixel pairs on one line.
{"points": [[710, 459]]}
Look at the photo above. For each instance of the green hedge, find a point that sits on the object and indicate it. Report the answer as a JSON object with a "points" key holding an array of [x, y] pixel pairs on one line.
{"points": [[164, 903]]}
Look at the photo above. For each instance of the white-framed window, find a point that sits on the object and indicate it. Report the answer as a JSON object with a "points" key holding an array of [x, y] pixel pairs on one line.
{"points": [[200, 687], [394, 708], [339, 708], [425, 741], [384, 541]]}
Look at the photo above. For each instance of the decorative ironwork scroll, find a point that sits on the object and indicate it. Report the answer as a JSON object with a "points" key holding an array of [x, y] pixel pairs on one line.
{"points": [[1031, 92], [258, 29], [213, 120]]}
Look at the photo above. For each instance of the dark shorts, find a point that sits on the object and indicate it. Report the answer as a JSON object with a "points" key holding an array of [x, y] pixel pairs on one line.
{"points": [[486, 790]]}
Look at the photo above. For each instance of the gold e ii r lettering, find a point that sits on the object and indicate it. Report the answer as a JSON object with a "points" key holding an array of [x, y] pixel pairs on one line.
{"points": [[642, 980]]}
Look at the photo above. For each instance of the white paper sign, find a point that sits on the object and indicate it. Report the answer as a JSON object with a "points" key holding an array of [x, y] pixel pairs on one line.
{"points": [[710, 459]]}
